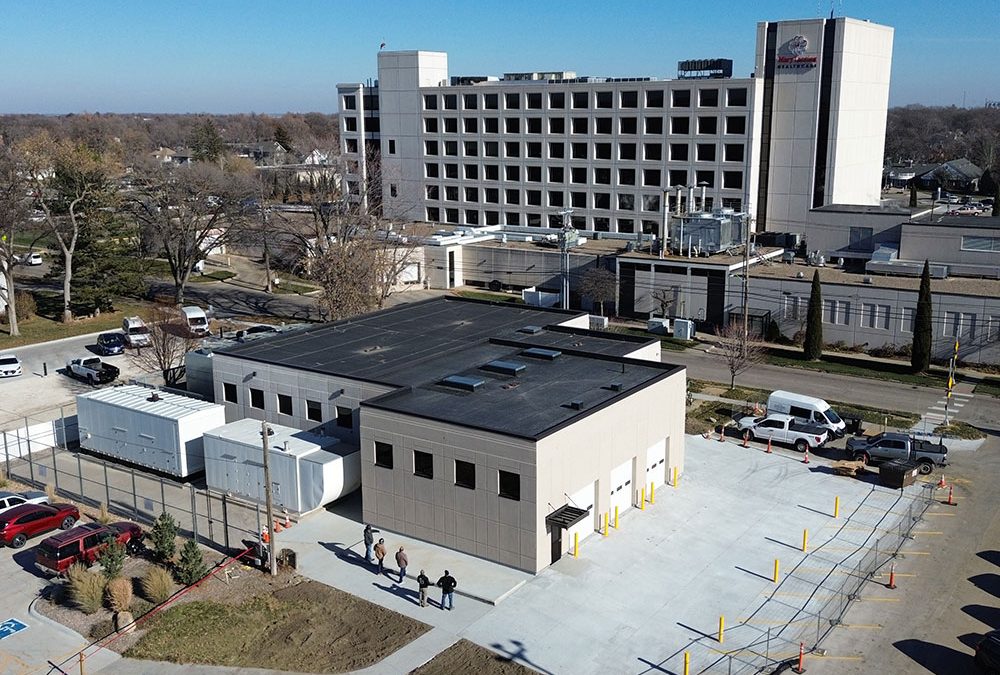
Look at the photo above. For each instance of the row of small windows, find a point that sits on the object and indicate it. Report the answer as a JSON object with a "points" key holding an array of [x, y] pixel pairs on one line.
{"points": [[508, 483], [876, 316], [705, 124], [582, 175], [708, 97], [456, 216], [651, 152], [285, 405]]}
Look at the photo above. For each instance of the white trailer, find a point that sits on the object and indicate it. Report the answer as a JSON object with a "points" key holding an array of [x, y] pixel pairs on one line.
{"points": [[150, 428], [307, 470]]}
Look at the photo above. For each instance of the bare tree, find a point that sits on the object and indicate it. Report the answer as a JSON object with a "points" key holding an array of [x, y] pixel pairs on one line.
{"points": [[169, 341], [72, 186], [664, 298], [189, 211], [599, 285], [13, 220], [740, 350]]}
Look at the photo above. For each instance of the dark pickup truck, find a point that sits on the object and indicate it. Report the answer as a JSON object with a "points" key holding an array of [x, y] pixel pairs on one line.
{"points": [[892, 445]]}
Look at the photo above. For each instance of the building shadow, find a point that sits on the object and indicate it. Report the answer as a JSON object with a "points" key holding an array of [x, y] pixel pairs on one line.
{"points": [[987, 582], [349, 507], [517, 653], [990, 557], [938, 659], [988, 615], [399, 591]]}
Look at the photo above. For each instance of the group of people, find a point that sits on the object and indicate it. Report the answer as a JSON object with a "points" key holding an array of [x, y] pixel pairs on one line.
{"points": [[446, 583]]}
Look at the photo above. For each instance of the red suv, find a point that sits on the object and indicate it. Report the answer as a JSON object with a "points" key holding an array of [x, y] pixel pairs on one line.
{"points": [[27, 520], [83, 544]]}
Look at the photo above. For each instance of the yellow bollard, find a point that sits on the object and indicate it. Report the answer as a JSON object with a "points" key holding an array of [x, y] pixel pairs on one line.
{"points": [[605, 524], [836, 507], [722, 629], [805, 541], [675, 476], [576, 544], [652, 493], [775, 570], [642, 499], [82, 659], [687, 663], [616, 517]]}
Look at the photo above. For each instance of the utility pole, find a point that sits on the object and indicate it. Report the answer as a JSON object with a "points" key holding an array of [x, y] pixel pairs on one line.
{"points": [[746, 285], [567, 238], [265, 431]]}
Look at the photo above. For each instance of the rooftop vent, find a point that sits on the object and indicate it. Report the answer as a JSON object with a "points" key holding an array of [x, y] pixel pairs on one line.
{"points": [[153, 398], [616, 386], [575, 404], [462, 382], [544, 354], [530, 330], [504, 367]]}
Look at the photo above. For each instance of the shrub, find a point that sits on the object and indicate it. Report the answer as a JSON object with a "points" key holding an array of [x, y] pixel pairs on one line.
{"points": [[102, 629], [884, 351], [26, 306], [112, 559], [86, 590], [50, 493], [191, 567], [799, 338], [103, 517], [157, 584], [164, 537], [118, 594], [140, 607]]}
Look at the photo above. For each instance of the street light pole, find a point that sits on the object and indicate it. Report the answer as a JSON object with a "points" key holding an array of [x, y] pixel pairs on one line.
{"points": [[265, 431], [567, 238], [746, 286]]}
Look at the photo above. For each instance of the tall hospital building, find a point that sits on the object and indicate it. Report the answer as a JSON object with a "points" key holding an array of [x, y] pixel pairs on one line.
{"points": [[805, 130]]}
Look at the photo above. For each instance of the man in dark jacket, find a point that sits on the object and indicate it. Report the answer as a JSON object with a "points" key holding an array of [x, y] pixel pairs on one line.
{"points": [[447, 585], [369, 542], [423, 582]]}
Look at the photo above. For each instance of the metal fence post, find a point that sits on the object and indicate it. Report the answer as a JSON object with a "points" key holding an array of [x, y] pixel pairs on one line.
{"points": [[6, 453], [79, 472], [194, 514], [163, 495], [259, 529], [55, 471], [62, 422], [27, 439], [225, 521], [135, 497], [208, 501], [107, 486]]}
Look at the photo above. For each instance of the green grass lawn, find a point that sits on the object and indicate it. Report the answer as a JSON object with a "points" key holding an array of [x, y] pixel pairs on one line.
{"points": [[289, 287], [46, 325], [990, 386], [842, 365], [959, 430], [217, 275]]}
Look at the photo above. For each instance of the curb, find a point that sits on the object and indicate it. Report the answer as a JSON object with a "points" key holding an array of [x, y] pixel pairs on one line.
{"points": [[65, 339], [38, 616]]}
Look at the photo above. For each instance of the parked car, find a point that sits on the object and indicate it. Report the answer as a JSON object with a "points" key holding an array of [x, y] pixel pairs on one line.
{"points": [[894, 445], [83, 544], [988, 652], [111, 344], [92, 369], [20, 523], [10, 365], [784, 429], [136, 332], [9, 500], [32, 259]]}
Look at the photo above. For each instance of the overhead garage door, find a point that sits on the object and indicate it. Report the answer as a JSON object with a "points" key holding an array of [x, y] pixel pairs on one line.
{"points": [[584, 499], [621, 487], [656, 456]]}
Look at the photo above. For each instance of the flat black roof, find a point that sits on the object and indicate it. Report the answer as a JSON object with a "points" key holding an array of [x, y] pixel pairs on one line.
{"points": [[958, 222]]}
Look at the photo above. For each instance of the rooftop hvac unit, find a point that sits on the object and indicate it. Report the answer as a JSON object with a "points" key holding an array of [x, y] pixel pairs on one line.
{"points": [[598, 322], [683, 329]]}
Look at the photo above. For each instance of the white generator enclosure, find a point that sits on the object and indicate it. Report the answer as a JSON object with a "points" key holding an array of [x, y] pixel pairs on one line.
{"points": [[150, 428], [307, 470]]}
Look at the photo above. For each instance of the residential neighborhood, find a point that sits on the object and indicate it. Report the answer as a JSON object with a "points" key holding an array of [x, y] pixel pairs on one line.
{"points": [[502, 368]]}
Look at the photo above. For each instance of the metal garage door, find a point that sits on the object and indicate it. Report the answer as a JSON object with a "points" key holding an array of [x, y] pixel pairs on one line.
{"points": [[583, 499], [656, 456], [621, 487]]}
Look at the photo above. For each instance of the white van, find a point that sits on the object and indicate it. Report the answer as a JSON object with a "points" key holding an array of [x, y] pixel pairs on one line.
{"points": [[196, 320], [136, 332], [806, 409]]}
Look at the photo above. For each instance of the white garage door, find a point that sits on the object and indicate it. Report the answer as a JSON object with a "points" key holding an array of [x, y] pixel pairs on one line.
{"points": [[656, 456], [584, 499], [621, 487]]}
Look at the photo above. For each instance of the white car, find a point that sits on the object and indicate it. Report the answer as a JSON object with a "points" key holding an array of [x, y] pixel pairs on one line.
{"points": [[10, 365], [32, 259], [9, 500]]}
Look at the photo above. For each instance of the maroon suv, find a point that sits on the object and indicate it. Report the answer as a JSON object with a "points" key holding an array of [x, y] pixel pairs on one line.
{"points": [[27, 520], [83, 544]]}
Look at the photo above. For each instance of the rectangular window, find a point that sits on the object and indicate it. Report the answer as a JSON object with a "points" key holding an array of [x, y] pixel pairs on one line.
{"points": [[651, 177], [350, 103], [652, 152], [451, 148], [602, 176], [736, 125], [578, 174], [602, 224], [350, 124], [533, 149], [491, 125], [557, 125], [557, 100], [257, 398], [578, 200], [875, 316], [626, 225], [491, 101], [626, 202], [733, 152], [471, 172], [580, 125], [491, 172], [383, 454], [512, 149], [626, 151], [556, 174], [705, 152], [351, 145], [284, 404], [708, 125], [837, 312], [430, 147], [579, 150], [470, 125], [680, 98], [909, 317], [534, 125], [451, 193], [512, 196], [654, 98], [602, 125], [732, 180], [678, 152], [465, 474], [512, 125], [432, 170], [602, 200], [981, 244], [680, 125], [628, 125], [860, 239], [534, 101], [314, 411], [604, 99], [557, 150], [423, 464], [626, 176], [469, 101], [794, 307], [630, 99], [451, 102], [229, 392], [430, 125], [581, 99], [651, 202], [393, 190], [510, 485], [512, 101], [952, 324], [433, 214], [491, 149], [471, 148], [706, 177], [451, 170], [533, 197], [492, 195], [512, 172], [708, 98], [736, 97], [430, 102], [472, 194], [432, 192], [602, 151], [654, 125]]}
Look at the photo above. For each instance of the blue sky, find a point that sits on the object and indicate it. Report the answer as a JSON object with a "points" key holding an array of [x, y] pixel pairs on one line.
{"points": [[273, 57]]}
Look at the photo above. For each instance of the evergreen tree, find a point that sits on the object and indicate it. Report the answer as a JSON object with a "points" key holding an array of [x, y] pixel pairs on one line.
{"points": [[813, 346], [112, 558], [164, 537], [206, 142], [191, 567], [920, 357]]}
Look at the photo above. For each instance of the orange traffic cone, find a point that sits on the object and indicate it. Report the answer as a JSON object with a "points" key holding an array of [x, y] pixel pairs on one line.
{"points": [[288, 523], [941, 484], [805, 460], [746, 437], [277, 525], [768, 451], [722, 434]]}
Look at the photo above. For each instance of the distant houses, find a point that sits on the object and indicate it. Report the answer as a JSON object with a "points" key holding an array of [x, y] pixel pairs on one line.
{"points": [[957, 175]]}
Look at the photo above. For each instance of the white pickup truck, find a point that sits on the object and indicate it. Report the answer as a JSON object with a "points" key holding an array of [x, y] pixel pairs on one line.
{"points": [[783, 429], [92, 369]]}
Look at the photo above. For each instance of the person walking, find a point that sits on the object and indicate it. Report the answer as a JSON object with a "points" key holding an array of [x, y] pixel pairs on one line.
{"points": [[447, 585], [401, 561], [380, 555], [369, 541], [423, 583]]}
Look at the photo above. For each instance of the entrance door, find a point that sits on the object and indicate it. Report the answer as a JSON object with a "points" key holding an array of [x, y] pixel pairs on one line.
{"points": [[556, 542], [451, 269], [621, 487]]}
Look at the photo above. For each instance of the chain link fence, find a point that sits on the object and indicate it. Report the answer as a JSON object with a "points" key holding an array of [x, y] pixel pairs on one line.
{"points": [[42, 450]]}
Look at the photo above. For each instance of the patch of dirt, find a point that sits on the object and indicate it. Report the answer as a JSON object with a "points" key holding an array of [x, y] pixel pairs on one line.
{"points": [[468, 657], [298, 625]]}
